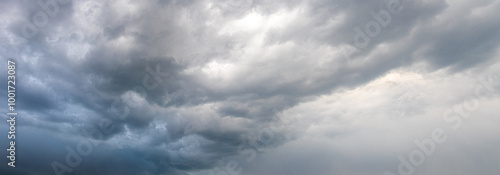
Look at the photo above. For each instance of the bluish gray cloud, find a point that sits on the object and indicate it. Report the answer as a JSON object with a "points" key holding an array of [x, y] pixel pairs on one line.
{"points": [[279, 87]]}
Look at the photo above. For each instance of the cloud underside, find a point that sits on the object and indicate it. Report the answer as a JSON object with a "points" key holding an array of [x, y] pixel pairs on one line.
{"points": [[190, 87]]}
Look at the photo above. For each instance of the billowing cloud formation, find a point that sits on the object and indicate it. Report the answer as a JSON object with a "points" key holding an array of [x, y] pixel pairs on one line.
{"points": [[254, 86]]}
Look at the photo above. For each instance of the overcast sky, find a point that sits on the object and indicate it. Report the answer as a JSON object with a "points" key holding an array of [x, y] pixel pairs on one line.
{"points": [[253, 87]]}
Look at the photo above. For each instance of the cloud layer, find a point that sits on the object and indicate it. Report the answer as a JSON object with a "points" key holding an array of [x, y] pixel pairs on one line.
{"points": [[253, 86]]}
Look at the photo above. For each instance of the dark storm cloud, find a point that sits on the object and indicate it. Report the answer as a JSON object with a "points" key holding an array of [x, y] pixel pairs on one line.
{"points": [[222, 81]]}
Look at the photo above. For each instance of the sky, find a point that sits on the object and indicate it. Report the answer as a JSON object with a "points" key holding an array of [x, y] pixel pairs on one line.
{"points": [[252, 87]]}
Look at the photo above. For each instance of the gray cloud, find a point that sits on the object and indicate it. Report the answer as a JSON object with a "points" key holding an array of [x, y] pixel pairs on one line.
{"points": [[230, 69]]}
